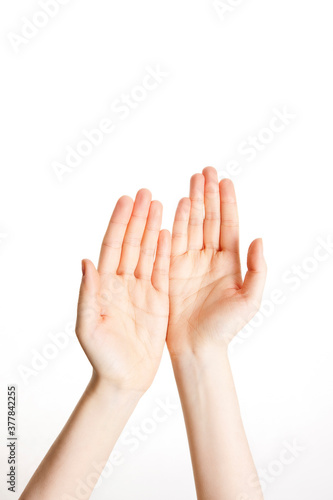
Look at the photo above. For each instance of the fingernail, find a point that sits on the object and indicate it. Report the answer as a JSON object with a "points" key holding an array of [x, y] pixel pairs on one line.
{"points": [[83, 268]]}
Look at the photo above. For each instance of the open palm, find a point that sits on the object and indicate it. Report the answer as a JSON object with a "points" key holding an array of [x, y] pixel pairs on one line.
{"points": [[123, 306], [208, 299]]}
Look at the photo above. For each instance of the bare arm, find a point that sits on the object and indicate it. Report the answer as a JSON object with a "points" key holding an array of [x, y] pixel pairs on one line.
{"points": [[73, 464], [222, 461], [209, 304], [121, 325]]}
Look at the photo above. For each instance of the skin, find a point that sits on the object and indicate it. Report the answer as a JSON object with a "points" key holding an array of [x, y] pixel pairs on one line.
{"points": [[124, 306], [128, 306], [209, 304], [121, 324]]}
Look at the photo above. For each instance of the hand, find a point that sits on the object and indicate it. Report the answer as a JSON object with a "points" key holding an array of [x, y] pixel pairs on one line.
{"points": [[123, 307], [209, 302]]}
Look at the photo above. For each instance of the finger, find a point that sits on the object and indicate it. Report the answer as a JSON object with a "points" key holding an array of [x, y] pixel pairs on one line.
{"points": [[195, 225], [113, 239], [134, 232], [160, 275], [255, 277], [180, 227], [88, 310], [149, 241], [229, 236], [211, 230]]}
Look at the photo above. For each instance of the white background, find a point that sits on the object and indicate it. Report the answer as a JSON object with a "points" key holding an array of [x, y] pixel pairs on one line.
{"points": [[225, 77]]}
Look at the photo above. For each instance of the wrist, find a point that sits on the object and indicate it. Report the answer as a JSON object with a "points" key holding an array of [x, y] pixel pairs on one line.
{"points": [[106, 391], [198, 352], [199, 361]]}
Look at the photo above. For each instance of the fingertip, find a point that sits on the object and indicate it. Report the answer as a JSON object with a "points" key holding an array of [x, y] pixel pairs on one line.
{"points": [[197, 179], [144, 194], [227, 191], [164, 244], [160, 274], [142, 202], [261, 243], [87, 267], [83, 266], [86, 264], [156, 206], [125, 201], [165, 237], [256, 261], [209, 171], [257, 245], [226, 183], [263, 260], [166, 233], [260, 246], [90, 278], [183, 210], [185, 204]]}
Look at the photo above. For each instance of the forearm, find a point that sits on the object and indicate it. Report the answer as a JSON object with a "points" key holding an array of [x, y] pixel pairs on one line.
{"points": [[87, 439], [222, 462]]}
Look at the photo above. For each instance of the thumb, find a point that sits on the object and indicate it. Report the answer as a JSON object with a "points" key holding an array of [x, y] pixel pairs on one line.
{"points": [[255, 277], [88, 308]]}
